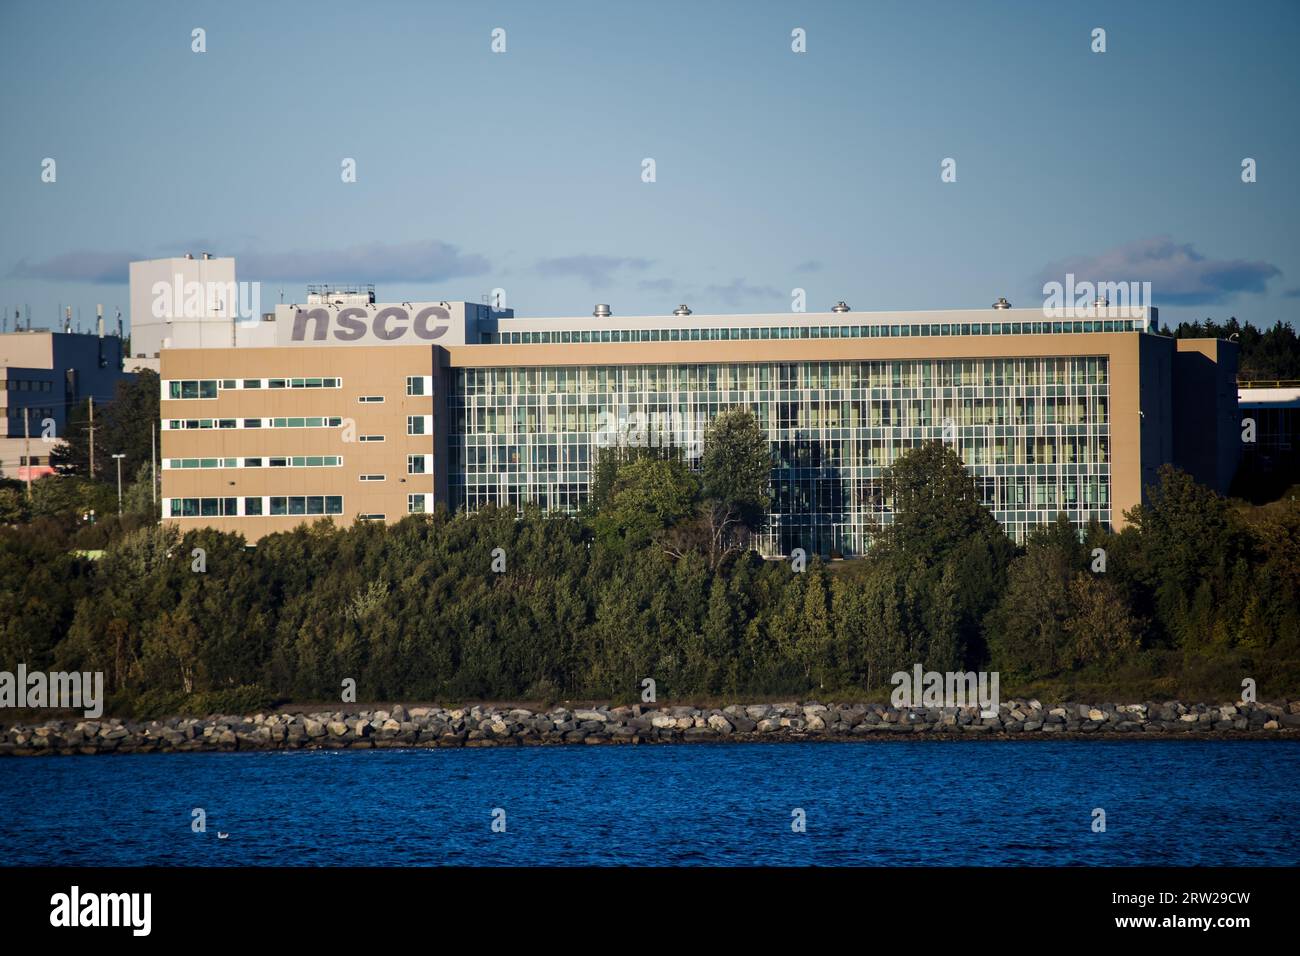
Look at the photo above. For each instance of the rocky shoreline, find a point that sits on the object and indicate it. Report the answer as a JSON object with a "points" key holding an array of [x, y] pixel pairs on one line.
{"points": [[486, 726]]}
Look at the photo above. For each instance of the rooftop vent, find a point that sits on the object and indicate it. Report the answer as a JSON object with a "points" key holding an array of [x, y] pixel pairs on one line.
{"points": [[682, 309], [840, 307], [1002, 303], [602, 311]]}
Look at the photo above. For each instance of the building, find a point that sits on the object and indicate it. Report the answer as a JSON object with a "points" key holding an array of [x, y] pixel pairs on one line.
{"points": [[366, 411], [183, 300], [43, 376], [1270, 431]]}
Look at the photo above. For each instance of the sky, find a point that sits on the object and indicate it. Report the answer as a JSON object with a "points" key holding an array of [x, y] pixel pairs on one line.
{"points": [[774, 170]]}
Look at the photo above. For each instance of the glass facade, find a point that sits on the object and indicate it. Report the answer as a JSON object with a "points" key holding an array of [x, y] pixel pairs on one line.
{"points": [[1034, 432]]}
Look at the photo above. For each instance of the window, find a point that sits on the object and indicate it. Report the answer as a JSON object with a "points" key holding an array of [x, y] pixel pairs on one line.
{"points": [[252, 506], [296, 422], [415, 504], [371, 438], [415, 465], [192, 388], [371, 399], [203, 507], [372, 478], [415, 424], [419, 385], [306, 505], [370, 517]]}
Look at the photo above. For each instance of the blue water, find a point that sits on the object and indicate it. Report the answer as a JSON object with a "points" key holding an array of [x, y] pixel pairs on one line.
{"points": [[888, 803]]}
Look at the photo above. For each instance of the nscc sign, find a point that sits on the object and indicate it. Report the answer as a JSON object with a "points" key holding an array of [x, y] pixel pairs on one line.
{"points": [[357, 324]]}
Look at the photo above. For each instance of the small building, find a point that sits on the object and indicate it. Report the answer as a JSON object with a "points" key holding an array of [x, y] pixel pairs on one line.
{"points": [[43, 376], [1270, 433]]}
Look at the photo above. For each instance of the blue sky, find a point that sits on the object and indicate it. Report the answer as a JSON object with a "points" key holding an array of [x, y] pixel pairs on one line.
{"points": [[774, 170]]}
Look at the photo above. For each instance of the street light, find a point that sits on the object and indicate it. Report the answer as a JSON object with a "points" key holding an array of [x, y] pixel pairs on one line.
{"points": [[119, 483]]}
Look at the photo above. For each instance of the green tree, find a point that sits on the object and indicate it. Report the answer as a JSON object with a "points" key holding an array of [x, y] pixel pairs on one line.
{"points": [[1099, 624], [122, 426], [1027, 631], [736, 465], [649, 495]]}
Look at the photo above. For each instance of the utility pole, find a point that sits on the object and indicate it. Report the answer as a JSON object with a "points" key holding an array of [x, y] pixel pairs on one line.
{"points": [[27, 448], [91, 400], [119, 483]]}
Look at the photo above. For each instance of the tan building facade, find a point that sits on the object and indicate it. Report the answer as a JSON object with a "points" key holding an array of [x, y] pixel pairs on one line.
{"points": [[349, 424]]}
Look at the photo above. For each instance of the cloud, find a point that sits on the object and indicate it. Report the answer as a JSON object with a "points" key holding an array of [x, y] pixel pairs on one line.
{"points": [[84, 265], [1291, 294], [738, 292], [596, 271], [1177, 272], [425, 260], [656, 285], [810, 265]]}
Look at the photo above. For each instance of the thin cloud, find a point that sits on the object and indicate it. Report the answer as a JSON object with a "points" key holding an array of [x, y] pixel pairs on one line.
{"points": [[810, 265], [427, 260], [83, 265], [597, 271], [738, 292], [1177, 272]]}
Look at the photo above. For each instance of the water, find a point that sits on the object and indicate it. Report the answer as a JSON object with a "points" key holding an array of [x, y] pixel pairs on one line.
{"points": [[1179, 803]]}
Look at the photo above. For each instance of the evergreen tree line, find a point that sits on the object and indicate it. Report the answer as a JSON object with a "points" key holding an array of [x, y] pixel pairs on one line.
{"points": [[657, 581], [1265, 354]]}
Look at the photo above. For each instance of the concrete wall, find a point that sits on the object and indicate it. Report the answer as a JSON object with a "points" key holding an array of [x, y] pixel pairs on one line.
{"points": [[1206, 422]]}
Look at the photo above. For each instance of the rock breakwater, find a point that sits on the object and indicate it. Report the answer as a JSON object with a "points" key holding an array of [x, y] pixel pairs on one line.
{"points": [[486, 726]]}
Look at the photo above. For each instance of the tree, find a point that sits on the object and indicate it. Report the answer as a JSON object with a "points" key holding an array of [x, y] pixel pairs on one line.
{"points": [[934, 502], [943, 558], [610, 459], [1027, 629], [140, 497], [1189, 542], [122, 426], [1099, 624], [736, 465], [648, 495]]}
